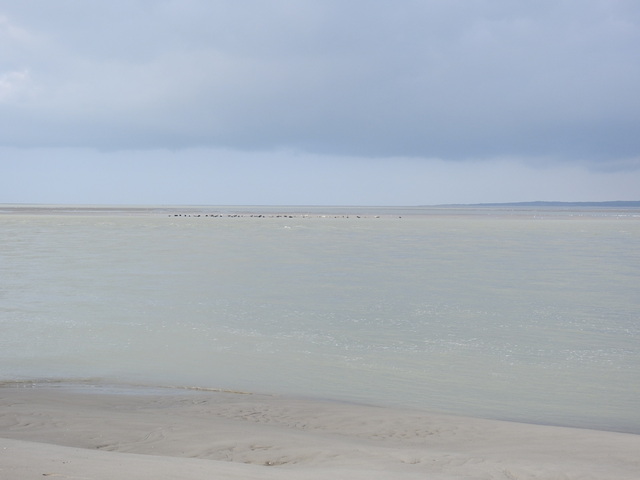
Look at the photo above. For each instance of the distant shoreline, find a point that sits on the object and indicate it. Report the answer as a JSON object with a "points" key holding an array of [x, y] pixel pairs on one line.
{"points": [[305, 211], [614, 204], [145, 207]]}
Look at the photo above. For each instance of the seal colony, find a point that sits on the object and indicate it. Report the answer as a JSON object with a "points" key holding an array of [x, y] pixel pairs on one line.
{"points": [[239, 215]]}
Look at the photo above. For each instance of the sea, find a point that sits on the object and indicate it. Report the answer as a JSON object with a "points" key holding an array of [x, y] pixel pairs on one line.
{"points": [[521, 314]]}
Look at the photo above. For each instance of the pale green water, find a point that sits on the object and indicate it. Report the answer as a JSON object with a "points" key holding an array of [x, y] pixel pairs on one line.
{"points": [[532, 315]]}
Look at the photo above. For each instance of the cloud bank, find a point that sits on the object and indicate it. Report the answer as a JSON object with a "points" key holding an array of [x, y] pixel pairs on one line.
{"points": [[546, 81]]}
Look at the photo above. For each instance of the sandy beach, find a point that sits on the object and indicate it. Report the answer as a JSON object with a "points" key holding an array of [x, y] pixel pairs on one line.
{"points": [[104, 433]]}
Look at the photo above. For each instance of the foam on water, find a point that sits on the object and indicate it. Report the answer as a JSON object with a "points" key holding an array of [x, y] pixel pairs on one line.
{"points": [[528, 317]]}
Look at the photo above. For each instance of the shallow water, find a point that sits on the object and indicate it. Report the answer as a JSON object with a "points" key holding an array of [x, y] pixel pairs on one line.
{"points": [[530, 315]]}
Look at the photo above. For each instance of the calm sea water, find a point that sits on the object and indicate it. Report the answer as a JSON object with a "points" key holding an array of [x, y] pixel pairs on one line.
{"points": [[529, 315]]}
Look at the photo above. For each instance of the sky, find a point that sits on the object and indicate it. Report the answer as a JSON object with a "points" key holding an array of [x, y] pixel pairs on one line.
{"points": [[319, 102]]}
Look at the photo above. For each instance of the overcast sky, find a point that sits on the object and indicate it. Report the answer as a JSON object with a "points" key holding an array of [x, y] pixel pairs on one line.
{"points": [[360, 102]]}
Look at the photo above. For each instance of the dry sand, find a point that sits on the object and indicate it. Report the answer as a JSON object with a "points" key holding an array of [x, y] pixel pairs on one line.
{"points": [[94, 433]]}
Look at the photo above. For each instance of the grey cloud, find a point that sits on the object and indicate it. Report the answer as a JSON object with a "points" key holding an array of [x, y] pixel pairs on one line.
{"points": [[452, 80]]}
